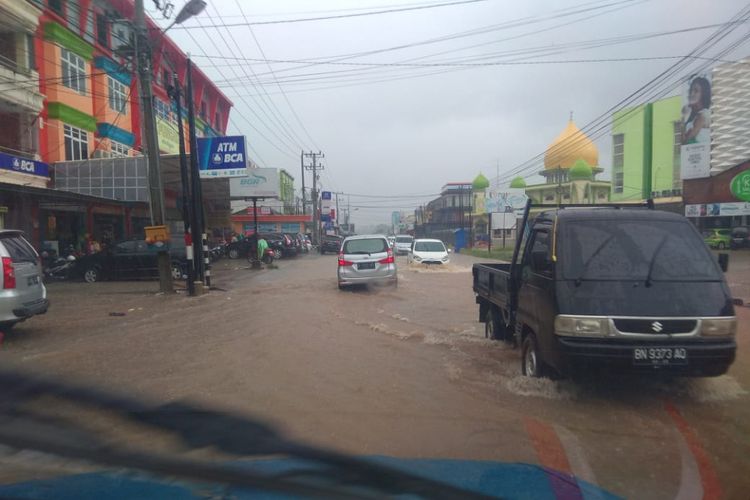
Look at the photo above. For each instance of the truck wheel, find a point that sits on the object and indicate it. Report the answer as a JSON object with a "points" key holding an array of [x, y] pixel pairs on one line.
{"points": [[492, 325], [531, 362], [233, 253]]}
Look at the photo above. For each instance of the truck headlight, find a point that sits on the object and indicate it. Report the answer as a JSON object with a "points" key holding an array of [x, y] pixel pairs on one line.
{"points": [[417, 258], [581, 326], [718, 327]]}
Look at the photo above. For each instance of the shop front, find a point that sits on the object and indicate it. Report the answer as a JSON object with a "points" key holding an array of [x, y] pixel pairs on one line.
{"points": [[244, 222], [721, 201]]}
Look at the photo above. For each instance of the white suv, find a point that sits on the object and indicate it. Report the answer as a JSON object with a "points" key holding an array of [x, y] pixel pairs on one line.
{"points": [[22, 293]]}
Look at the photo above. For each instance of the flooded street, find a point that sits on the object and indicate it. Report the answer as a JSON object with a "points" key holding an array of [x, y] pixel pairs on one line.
{"points": [[400, 372]]}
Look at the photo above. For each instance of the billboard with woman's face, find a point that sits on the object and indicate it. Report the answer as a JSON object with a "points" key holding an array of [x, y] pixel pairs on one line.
{"points": [[695, 149]]}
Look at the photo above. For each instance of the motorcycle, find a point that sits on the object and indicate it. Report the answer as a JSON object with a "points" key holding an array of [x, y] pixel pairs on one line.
{"points": [[268, 256], [60, 268]]}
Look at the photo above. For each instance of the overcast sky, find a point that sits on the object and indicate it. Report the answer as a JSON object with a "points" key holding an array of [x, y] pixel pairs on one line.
{"points": [[411, 134]]}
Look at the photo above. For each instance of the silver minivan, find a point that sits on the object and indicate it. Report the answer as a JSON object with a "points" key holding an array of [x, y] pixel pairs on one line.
{"points": [[366, 260], [22, 293]]}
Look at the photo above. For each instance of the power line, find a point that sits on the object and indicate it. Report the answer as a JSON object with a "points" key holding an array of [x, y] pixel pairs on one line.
{"points": [[281, 89], [275, 116], [342, 16], [597, 125], [252, 110]]}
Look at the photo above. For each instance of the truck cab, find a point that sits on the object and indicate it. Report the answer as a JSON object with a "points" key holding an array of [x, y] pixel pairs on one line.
{"points": [[613, 289]]}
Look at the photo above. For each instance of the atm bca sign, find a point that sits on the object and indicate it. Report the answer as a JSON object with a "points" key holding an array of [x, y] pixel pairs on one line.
{"points": [[222, 156]]}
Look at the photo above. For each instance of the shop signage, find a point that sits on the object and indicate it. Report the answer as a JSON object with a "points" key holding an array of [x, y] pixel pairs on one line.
{"points": [[169, 137], [740, 186], [717, 209], [325, 203], [157, 235], [256, 183], [222, 157], [23, 165]]}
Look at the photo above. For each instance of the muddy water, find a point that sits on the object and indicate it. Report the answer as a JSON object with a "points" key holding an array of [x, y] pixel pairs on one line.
{"points": [[402, 372]]}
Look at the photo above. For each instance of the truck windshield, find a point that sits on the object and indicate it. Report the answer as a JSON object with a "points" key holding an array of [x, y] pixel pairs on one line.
{"points": [[627, 250]]}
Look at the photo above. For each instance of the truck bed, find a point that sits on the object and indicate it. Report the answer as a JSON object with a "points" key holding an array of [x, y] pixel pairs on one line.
{"points": [[491, 282]]}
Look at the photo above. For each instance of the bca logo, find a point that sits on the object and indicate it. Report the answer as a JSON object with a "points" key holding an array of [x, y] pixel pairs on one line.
{"points": [[216, 159], [26, 166]]}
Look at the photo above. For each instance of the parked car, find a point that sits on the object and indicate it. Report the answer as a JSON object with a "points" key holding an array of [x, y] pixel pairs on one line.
{"points": [[330, 243], [239, 249], [23, 294], [740, 238], [365, 260], [403, 243], [606, 289], [426, 251], [296, 243], [718, 238], [129, 259]]}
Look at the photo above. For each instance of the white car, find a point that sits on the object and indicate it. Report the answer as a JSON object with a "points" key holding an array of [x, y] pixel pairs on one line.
{"points": [[403, 243], [425, 251]]}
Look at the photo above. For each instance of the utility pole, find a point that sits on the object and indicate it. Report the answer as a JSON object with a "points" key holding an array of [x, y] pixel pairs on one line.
{"points": [[559, 186], [197, 222], [176, 94], [148, 123], [302, 174], [314, 167]]}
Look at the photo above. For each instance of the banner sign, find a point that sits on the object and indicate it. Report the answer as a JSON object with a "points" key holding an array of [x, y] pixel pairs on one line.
{"points": [[740, 186], [695, 149], [505, 201], [257, 183], [717, 209], [222, 156], [23, 165]]}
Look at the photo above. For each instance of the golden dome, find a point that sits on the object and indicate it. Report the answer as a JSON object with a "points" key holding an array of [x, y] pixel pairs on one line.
{"points": [[570, 146]]}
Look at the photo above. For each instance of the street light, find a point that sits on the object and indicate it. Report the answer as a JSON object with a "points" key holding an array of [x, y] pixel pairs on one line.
{"points": [[190, 9]]}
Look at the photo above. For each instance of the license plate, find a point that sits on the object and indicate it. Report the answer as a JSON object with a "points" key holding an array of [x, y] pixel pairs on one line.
{"points": [[366, 265], [660, 356], [33, 280]]}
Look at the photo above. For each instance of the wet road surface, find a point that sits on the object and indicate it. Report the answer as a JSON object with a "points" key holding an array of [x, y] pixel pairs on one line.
{"points": [[402, 372]]}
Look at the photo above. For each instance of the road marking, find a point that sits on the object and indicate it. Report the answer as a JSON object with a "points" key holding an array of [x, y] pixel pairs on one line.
{"points": [[709, 479], [576, 455], [552, 455]]}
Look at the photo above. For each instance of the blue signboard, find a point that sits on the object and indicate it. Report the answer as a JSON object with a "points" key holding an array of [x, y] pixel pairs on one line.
{"points": [[222, 156], [325, 195], [23, 165], [325, 217]]}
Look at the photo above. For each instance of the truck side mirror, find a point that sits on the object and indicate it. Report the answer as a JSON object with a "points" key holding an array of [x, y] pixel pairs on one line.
{"points": [[724, 261]]}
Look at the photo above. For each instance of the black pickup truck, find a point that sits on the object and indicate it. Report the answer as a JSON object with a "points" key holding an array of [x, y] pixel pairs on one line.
{"points": [[610, 288]]}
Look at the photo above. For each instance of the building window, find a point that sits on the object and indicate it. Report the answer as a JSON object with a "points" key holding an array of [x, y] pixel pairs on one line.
{"points": [[76, 143], [118, 95], [163, 110], [204, 110], [120, 35], [676, 156], [88, 33], [119, 149], [618, 162], [217, 121], [56, 6], [166, 80], [74, 16], [73, 71], [618, 182], [102, 30]]}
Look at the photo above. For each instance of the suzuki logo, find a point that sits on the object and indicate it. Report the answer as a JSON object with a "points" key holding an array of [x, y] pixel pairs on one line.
{"points": [[657, 327]]}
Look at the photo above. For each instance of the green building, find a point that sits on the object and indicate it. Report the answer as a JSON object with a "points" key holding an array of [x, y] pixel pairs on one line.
{"points": [[646, 152], [286, 192]]}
